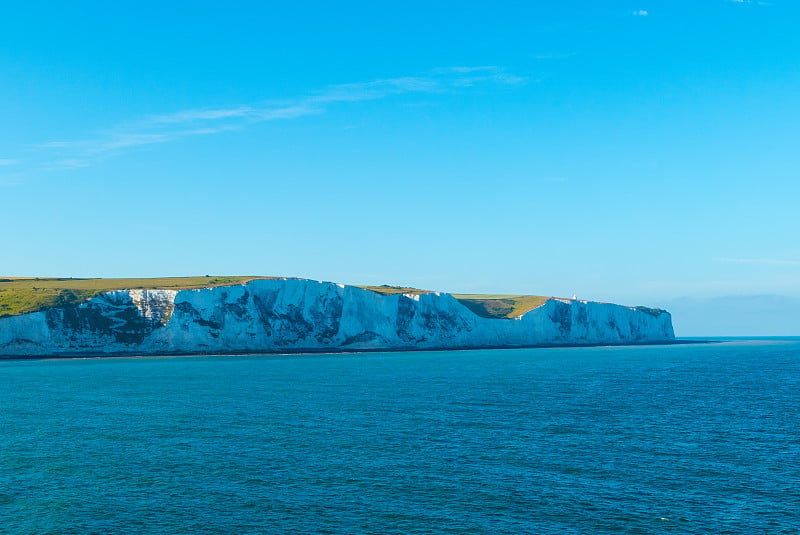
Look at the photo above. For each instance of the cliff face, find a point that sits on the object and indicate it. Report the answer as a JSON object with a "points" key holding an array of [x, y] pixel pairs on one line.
{"points": [[290, 315]]}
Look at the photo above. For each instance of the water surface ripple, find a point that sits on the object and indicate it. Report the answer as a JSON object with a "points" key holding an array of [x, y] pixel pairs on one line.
{"points": [[661, 439]]}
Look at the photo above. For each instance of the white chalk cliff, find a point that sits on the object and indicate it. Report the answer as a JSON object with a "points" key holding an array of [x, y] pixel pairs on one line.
{"points": [[295, 315]]}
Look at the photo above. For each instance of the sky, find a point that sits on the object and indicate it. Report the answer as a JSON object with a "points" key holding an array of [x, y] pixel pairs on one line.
{"points": [[640, 152]]}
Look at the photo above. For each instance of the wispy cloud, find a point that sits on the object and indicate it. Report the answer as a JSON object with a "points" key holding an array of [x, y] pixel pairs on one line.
{"points": [[11, 179], [555, 55], [69, 163], [168, 127], [8, 161], [187, 116], [640, 13], [767, 261]]}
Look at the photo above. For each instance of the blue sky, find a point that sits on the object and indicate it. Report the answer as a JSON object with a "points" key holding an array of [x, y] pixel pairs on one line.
{"points": [[636, 152]]}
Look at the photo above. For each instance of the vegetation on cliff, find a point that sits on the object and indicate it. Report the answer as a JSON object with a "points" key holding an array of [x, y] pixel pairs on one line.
{"points": [[501, 306], [484, 305], [22, 296], [385, 289]]}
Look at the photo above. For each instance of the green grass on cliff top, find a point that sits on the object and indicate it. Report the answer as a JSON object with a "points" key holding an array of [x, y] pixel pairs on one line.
{"points": [[392, 290], [501, 306], [23, 296], [484, 305]]}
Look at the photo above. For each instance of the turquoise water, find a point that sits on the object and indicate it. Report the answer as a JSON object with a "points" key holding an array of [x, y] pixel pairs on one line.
{"points": [[671, 439]]}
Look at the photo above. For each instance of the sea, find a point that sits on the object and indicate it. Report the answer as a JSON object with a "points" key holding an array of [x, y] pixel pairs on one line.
{"points": [[700, 438]]}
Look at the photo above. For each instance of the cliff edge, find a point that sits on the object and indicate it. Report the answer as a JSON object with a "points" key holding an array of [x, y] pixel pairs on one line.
{"points": [[297, 315]]}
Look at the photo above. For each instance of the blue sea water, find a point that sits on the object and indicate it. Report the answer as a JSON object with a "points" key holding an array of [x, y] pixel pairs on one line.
{"points": [[661, 439]]}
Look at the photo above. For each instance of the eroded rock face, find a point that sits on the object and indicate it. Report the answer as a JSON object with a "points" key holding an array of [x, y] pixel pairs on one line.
{"points": [[297, 315]]}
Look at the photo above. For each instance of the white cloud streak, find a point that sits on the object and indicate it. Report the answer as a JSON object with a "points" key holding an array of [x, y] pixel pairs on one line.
{"points": [[766, 261], [168, 127], [640, 13], [11, 179]]}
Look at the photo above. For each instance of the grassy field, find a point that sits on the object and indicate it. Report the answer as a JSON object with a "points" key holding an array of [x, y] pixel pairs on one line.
{"points": [[25, 295], [21, 296], [484, 305], [500, 306], [392, 290]]}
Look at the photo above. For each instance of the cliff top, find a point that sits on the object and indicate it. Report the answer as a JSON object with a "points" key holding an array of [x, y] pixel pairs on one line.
{"points": [[25, 295], [385, 289], [501, 306], [484, 305]]}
